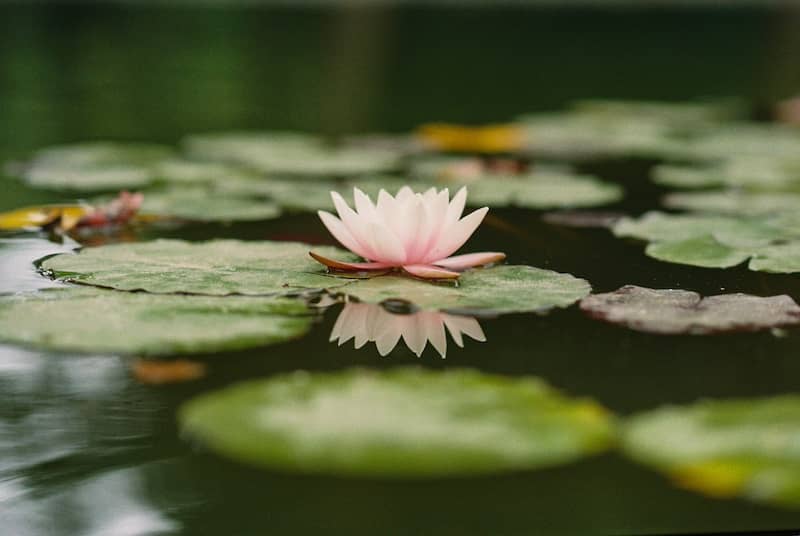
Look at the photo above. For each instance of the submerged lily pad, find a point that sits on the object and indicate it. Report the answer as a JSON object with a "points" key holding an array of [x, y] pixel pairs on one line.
{"points": [[716, 241], [93, 166], [204, 205], [735, 202], [724, 448], [500, 289], [217, 267], [680, 311], [291, 154], [94, 320], [402, 423]]}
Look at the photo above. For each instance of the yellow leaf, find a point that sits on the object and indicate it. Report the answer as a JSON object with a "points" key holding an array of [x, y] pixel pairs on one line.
{"points": [[466, 139], [25, 218]]}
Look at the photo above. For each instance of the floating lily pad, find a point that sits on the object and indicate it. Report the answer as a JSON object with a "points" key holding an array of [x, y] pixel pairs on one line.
{"points": [[93, 166], [750, 172], [681, 311], [772, 243], [402, 423], [217, 267], [94, 320], [291, 154], [735, 202], [743, 140], [500, 289], [205, 205], [744, 448]]}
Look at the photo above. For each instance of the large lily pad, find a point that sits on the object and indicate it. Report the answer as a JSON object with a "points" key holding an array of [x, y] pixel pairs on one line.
{"points": [[201, 204], [501, 289], [93, 166], [291, 154], [680, 311], [405, 422], [735, 202], [711, 241], [95, 320], [217, 267], [745, 448]]}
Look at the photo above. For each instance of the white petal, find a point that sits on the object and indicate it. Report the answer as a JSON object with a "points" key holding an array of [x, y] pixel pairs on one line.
{"points": [[354, 223], [456, 207], [386, 245], [415, 334], [434, 330], [364, 205], [457, 325]]}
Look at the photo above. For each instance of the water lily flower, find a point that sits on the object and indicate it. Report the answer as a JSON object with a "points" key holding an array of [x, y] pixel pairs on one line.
{"points": [[414, 232], [366, 322]]}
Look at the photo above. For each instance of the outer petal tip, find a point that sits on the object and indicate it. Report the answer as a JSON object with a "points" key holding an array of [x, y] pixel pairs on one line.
{"points": [[347, 266], [470, 260], [426, 271]]}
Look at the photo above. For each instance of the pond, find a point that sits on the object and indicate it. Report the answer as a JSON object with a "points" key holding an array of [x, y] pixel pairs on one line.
{"points": [[172, 393]]}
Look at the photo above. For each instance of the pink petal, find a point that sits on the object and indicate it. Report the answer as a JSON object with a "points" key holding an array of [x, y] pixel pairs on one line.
{"points": [[348, 266], [427, 271], [456, 235], [354, 224], [340, 232], [385, 244], [456, 207], [462, 262]]}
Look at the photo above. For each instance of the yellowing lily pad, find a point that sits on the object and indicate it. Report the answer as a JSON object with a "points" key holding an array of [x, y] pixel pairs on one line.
{"points": [[401, 423], [724, 448], [472, 139], [715, 241], [500, 289], [97, 321], [217, 267], [679, 311], [300, 155]]}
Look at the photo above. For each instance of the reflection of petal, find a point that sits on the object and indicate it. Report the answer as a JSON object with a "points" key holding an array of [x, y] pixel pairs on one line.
{"points": [[366, 322]]}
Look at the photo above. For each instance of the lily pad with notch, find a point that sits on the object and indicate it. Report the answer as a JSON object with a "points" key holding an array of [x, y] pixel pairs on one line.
{"points": [[400, 423]]}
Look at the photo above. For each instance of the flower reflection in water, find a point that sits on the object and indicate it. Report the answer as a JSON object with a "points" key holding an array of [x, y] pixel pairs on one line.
{"points": [[366, 322]]}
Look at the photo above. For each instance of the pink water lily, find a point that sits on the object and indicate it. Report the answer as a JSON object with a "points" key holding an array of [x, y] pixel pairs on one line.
{"points": [[415, 232]]}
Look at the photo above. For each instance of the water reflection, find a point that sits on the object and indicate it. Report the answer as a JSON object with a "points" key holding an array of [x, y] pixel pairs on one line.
{"points": [[67, 423], [367, 322]]}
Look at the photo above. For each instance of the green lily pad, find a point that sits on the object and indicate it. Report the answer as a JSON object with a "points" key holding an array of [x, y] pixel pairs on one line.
{"points": [[724, 448], [749, 172], [217, 267], [93, 166], [401, 423], [744, 140], [201, 204], [94, 320], [735, 202], [680, 311], [291, 154], [711, 241], [500, 289]]}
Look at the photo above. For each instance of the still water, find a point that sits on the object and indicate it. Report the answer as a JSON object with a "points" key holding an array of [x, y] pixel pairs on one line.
{"points": [[86, 447]]}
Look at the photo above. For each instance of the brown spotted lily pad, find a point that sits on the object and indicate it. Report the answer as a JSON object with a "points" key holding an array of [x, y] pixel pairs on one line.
{"points": [[669, 311]]}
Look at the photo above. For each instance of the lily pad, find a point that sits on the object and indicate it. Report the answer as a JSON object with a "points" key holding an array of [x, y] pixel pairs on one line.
{"points": [[217, 267], [746, 172], [735, 202], [93, 166], [94, 320], [301, 155], [716, 241], [500, 289], [724, 448], [680, 311], [401, 423], [201, 204]]}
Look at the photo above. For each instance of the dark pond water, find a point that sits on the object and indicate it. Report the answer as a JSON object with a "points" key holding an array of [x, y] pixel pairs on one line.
{"points": [[87, 449]]}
